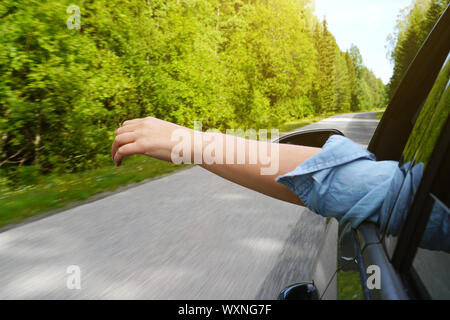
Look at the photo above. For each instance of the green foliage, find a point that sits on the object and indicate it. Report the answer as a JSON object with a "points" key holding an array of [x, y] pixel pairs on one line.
{"points": [[413, 26], [431, 120], [62, 190], [326, 69], [349, 285], [228, 63]]}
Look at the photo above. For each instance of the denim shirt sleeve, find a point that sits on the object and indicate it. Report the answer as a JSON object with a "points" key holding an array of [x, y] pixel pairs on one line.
{"points": [[343, 181], [398, 201], [346, 182]]}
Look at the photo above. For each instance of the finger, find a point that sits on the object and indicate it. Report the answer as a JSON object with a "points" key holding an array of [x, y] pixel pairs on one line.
{"points": [[132, 121], [120, 140], [127, 128], [125, 151]]}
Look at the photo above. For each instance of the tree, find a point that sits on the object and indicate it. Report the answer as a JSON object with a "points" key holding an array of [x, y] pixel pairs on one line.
{"points": [[228, 63], [413, 26], [326, 70]]}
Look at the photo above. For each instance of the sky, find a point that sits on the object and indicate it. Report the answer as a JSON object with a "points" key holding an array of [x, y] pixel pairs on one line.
{"points": [[365, 23]]}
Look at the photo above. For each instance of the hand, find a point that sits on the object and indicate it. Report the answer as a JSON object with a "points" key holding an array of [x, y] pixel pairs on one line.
{"points": [[148, 136]]}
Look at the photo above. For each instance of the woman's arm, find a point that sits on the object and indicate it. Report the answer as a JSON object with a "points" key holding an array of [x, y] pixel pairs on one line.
{"points": [[252, 164]]}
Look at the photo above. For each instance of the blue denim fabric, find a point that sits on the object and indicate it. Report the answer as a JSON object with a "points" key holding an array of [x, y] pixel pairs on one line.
{"points": [[346, 182]]}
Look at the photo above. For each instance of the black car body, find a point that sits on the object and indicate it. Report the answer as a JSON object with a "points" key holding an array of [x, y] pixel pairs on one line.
{"points": [[415, 129]]}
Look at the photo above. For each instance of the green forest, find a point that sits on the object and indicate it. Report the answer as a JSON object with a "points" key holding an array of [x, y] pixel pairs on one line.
{"points": [[229, 63], [413, 26]]}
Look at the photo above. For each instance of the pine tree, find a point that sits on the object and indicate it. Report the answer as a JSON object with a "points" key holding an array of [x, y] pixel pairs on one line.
{"points": [[326, 70], [352, 78], [342, 83], [411, 31]]}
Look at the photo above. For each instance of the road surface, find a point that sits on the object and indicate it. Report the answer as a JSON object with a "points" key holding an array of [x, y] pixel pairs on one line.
{"points": [[189, 235]]}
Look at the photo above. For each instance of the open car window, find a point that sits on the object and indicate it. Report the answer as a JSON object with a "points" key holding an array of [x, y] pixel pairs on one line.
{"points": [[415, 160]]}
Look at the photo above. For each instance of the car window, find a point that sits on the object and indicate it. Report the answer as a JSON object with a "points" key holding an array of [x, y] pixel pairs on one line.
{"points": [[415, 159], [431, 268]]}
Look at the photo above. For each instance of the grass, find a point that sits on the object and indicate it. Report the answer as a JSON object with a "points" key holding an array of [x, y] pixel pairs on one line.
{"points": [[379, 115], [58, 191], [289, 126], [349, 285], [62, 191]]}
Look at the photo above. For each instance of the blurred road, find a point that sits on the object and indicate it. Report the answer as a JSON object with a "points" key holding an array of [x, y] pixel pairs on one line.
{"points": [[190, 235]]}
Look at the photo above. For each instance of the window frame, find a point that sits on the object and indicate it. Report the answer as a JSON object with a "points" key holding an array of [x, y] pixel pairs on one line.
{"points": [[419, 214], [395, 127], [390, 139]]}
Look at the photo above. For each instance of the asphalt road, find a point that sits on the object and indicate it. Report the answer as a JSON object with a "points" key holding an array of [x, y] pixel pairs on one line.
{"points": [[190, 235]]}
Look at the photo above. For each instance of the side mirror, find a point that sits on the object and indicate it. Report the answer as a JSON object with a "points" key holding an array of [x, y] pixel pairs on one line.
{"points": [[309, 138], [299, 291]]}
